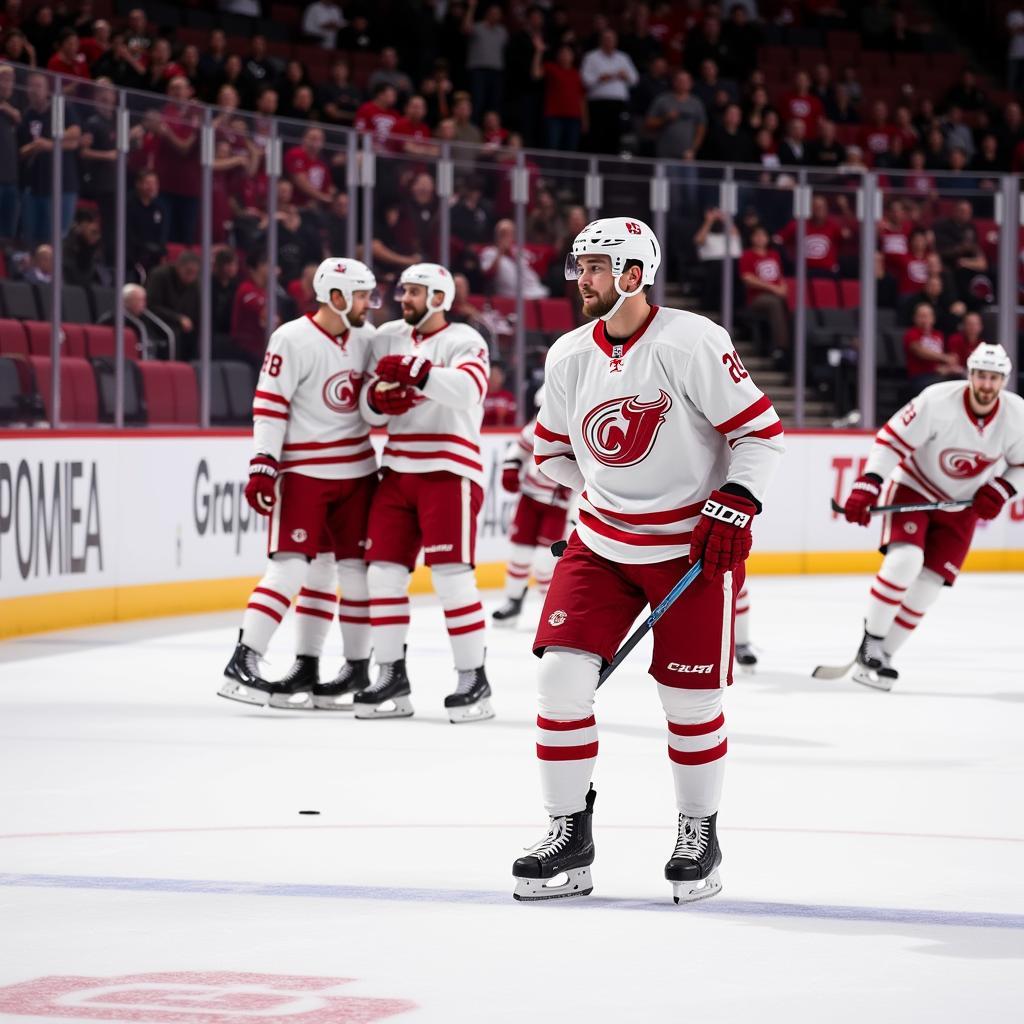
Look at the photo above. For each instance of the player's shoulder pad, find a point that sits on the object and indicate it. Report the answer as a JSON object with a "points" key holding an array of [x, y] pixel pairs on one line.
{"points": [[394, 327], [579, 339], [684, 331], [460, 333]]}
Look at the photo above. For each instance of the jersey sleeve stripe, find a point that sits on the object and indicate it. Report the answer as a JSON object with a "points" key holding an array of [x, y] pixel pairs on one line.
{"points": [[672, 515], [398, 453], [629, 537], [549, 435], [474, 378], [450, 438], [907, 447], [312, 446], [885, 444], [765, 433], [271, 414], [763, 404], [269, 396], [478, 367]]}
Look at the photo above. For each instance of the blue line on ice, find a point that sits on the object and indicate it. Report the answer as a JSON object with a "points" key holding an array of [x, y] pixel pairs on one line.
{"points": [[738, 908]]}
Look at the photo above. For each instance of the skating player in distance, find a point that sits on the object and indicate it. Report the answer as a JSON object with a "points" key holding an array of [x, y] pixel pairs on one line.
{"points": [[650, 413], [957, 440]]}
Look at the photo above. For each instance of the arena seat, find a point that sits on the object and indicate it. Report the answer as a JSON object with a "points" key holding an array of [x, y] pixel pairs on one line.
{"points": [[849, 293], [556, 315], [13, 340], [19, 300], [106, 383], [74, 340], [79, 399], [822, 293], [239, 385], [11, 404], [169, 393]]}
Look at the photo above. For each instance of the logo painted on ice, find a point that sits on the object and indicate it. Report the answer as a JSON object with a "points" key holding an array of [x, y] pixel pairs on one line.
{"points": [[622, 431], [341, 391], [557, 618], [207, 997], [962, 463]]}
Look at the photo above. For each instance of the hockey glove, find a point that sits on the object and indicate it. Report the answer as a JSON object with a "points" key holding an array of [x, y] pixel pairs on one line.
{"points": [[863, 495], [722, 534], [260, 491], [989, 500], [411, 371], [510, 479], [390, 399]]}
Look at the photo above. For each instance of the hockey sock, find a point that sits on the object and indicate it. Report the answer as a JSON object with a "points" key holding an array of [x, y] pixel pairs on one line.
{"points": [[271, 599], [543, 566], [743, 618], [314, 609], [388, 584], [901, 566], [517, 573], [566, 729], [923, 593], [697, 746], [354, 609], [463, 613]]}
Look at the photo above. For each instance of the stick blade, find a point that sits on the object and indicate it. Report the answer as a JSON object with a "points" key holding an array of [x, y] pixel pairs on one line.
{"points": [[832, 671]]}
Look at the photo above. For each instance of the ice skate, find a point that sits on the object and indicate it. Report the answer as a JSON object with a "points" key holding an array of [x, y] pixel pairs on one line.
{"points": [[242, 679], [471, 701], [559, 865], [339, 693], [693, 867], [508, 614], [872, 665], [746, 658], [294, 691], [388, 697]]}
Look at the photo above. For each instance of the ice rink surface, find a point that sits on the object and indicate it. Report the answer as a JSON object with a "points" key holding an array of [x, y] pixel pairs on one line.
{"points": [[154, 865]]}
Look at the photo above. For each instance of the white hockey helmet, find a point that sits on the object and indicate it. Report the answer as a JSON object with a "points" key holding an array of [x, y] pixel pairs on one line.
{"points": [[346, 276], [992, 358], [622, 239], [434, 278]]}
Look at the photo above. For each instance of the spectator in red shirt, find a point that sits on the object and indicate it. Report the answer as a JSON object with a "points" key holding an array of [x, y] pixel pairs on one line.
{"points": [[162, 68], [894, 234], [249, 314], [912, 268], [564, 97], [378, 115], [761, 273], [802, 105], [927, 356], [301, 291], [876, 135], [499, 403], [968, 338], [495, 135], [821, 241], [411, 133], [67, 60], [93, 47], [177, 161], [307, 170]]}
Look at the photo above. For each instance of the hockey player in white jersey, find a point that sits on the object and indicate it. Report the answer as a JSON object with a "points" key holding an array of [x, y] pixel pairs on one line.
{"points": [[957, 440], [651, 414], [538, 522], [428, 388], [313, 473]]}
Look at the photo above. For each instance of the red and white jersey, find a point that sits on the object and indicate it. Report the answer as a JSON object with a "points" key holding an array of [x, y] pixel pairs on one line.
{"points": [[532, 482], [648, 427], [938, 447], [441, 432], [306, 407]]}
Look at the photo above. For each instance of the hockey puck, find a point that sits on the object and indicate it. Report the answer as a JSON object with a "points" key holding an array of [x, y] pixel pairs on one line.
{"points": [[309, 812]]}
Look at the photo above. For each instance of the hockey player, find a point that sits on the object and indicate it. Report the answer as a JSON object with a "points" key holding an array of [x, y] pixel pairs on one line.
{"points": [[946, 444], [539, 521], [745, 656], [651, 414], [428, 387], [314, 474]]}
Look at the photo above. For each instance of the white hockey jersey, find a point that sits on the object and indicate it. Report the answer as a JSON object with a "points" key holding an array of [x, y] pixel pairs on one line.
{"points": [[441, 432], [532, 482], [306, 407], [648, 427], [938, 447]]}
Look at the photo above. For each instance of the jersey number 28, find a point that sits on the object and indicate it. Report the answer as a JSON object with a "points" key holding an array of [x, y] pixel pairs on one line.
{"points": [[272, 364]]}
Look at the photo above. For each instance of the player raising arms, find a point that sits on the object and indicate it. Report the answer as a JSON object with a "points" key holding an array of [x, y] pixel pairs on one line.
{"points": [[651, 414], [947, 444], [313, 473], [429, 387]]}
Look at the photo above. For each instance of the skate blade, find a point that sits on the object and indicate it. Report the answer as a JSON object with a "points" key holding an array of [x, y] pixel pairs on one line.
{"points": [[399, 707], [690, 892], [302, 701], [234, 690], [342, 703], [567, 884], [868, 678], [478, 712]]}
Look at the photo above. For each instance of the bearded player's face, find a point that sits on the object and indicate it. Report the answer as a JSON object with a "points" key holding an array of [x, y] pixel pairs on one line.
{"points": [[414, 303], [359, 308], [985, 387], [596, 285]]}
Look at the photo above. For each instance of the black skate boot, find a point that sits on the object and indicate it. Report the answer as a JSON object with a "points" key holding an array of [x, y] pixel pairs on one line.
{"points": [[567, 849], [507, 615], [242, 679], [872, 665], [471, 701], [294, 691], [746, 658], [693, 867], [338, 694], [388, 697]]}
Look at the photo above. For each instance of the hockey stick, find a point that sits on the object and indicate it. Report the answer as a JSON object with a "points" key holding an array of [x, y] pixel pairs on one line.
{"points": [[832, 671], [925, 506]]}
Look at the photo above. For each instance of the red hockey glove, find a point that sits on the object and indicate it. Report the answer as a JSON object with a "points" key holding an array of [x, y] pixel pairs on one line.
{"points": [[722, 534], [989, 500], [412, 371], [390, 399], [259, 491], [863, 495], [510, 479]]}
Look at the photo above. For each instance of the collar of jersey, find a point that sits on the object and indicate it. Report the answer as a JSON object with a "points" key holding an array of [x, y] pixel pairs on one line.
{"points": [[419, 337], [605, 344], [981, 422], [335, 340]]}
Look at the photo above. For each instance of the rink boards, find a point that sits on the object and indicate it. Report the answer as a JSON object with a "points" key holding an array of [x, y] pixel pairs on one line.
{"points": [[98, 527]]}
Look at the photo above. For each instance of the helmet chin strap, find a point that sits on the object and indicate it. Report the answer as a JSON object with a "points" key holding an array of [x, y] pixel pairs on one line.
{"points": [[430, 311], [621, 299], [343, 313]]}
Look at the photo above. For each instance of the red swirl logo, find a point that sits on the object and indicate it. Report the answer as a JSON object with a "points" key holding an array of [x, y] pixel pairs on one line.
{"points": [[341, 391], [622, 431], [962, 464]]}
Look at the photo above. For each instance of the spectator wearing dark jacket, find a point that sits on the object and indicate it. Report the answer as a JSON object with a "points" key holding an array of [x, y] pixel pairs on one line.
{"points": [[172, 292], [81, 262], [146, 223]]}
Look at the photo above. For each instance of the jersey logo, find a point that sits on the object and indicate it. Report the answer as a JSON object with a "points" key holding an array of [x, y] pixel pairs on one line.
{"points": [[341, 391], [622, 431], [962, 464]]}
